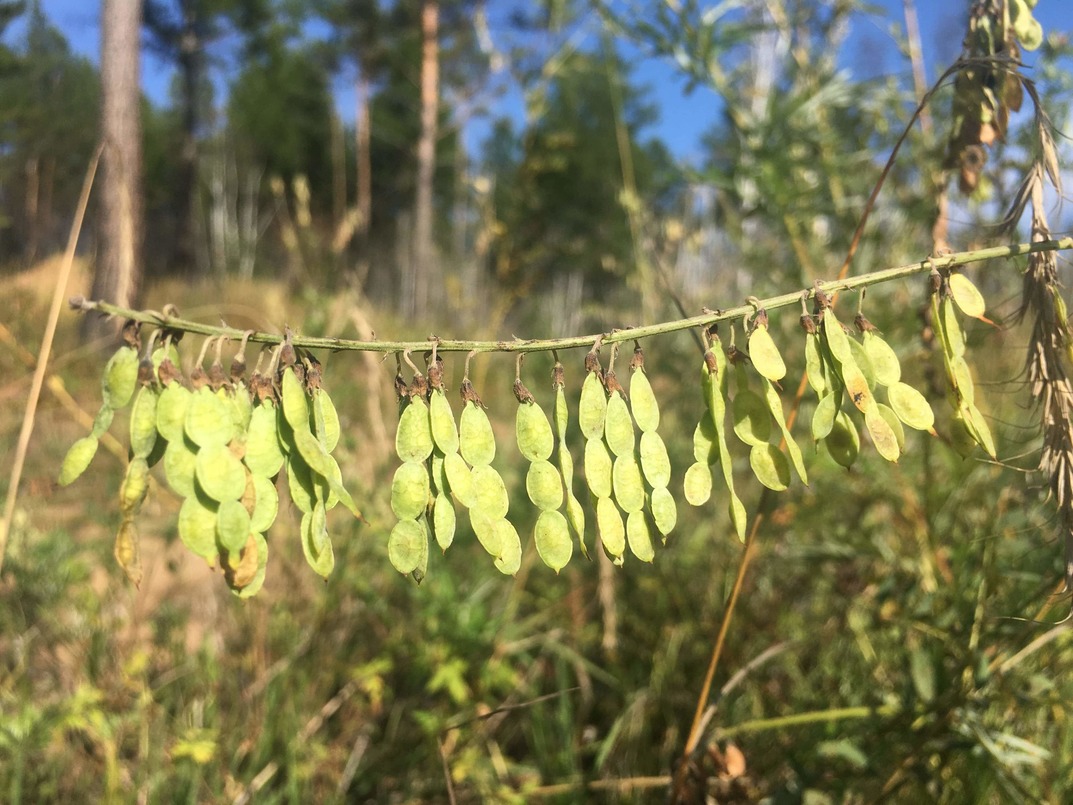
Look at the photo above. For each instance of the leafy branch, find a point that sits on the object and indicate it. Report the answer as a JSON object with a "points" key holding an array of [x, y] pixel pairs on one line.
{"points": [[518, 345]]}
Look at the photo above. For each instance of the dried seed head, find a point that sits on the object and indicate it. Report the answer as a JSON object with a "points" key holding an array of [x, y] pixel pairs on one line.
{"points": [[168, 372], [592, 363], [314, 372], [863, 325], [435, 374], [469, 394], [638, 360], [521, 393], [808, 324], [711, 362], [558, 376], [132, 334], [611, 383], [145, 371], [760, 319], [822, 300], [198, 378], [419, 386], [736, 356]]}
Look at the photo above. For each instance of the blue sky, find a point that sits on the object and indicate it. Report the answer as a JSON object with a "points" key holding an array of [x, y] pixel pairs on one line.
{"points": [[683, 118]]}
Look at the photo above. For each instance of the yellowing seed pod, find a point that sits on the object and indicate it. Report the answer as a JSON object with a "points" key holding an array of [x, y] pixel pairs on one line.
{"points": [[406, 545], [598, 468], [655, 463], [102, 421], [78, 459], [837, 340], [143, 422], [764, 354], [533, 431], [575, 516], [665, 510], [814, 365], [197, 527], [266, 504], [770, 466], [639, 536], [444, 521], [911, 406], [171, 411], [120, 378], [476, 442], [180, 466], [220, 474], [888, 414], [629, 484], [264, 455], [771, 397], [862, 361], [208, 420], [126, 552], [442, 422], [885, 364], [618, 426], [135, 486], [552, 538], [544, 486], [967, 296], [232, 526], [643, 402], [316, 544], [254, 557], [697, 484], [592, 408], [883, 436], [410, 490], [978, 429], [489, 493], [610, 527], [823, 418]]}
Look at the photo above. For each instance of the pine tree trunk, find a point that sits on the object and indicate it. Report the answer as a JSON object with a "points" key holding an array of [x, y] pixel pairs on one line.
{"points": [[364, 163], [118, 271], [190, 60], [422, 271]]}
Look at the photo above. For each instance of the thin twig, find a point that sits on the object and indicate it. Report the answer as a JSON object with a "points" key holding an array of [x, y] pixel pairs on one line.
{"points": [[43, 356]]}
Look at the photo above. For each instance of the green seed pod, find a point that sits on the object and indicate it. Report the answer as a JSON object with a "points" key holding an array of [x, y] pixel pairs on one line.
{"points": [[325, 466], [639, 536], [883, 437], [967, 296], [823, 418], [665, 510], [406, 544], [324, 420], [259, 546], [489, 493], [752, 420], [544, 486], [120, 378], [180, 466], [895, 424], [476, 442], [954, 339], [843, 442], [629, 484], [443, 521], [770, 466], [135, 486], [911, 406], [509, 561], [294, 401], [459, 479], [716, 389], [437, 474], [171, 411], [598, 468], [410, 491], [705, 449], [978, 429], [618, 426], [562, 414], [765, 355], [961, 379], [197, 527], [610, 528], [241, 407], [266, 504], [484, 527], [655, 463], [643, 402], [232, 526], [208, 419], [264, 455], [102, 421], [442, 422], [535, 440], [143, 422], [78, 459], [125, 551], [837, 340], [593, 407], [814, 365], [220, 474], [316, 544], [566, 467], [575, 516], [885, 364], [552, 538], [413, 440], [863, 362], [300, 484], [697, 484], [774, 404]]}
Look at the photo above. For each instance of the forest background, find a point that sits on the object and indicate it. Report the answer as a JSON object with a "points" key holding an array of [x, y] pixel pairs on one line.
{"points": [[572, 167]]}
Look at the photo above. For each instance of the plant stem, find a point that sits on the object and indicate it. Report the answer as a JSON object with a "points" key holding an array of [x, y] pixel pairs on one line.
{"points": [[158, 319]]}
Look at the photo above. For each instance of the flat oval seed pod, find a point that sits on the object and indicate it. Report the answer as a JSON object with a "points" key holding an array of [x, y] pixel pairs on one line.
{"points": [[752, 420], [823, 418], [484, 527], [814, 368], [220, 474], [102, 421], [610, 527], [837, 340], [135, 486], [544, 486], [911, 406], [765, 355], [312, 452], [325, 420], [629, 484], [562, 414], [967, 296], [266, 505], [437, 474], [664, 510], [125, 551], [476, 442], [294, 401], [552, 538], [489, 493], [843, 442], [575, 516], [770, 466], [592, 408], [774, 404], [143, 422], [535, 440], [885, 364], [643, 402], [697, 484], [459, 479], [120, 378], [978, 429], [232, 526], [888, 414], [316, 545], [409, 490], [882, 434], [857, 387], [655, 463], [208, 420], [954, 339], [405, 545], [300, 485], [259, 547], [442, 421], [264, 455], [78, 459], [180, 465], [566, 467], [509, 561], [197, 527], [598, 468], [443, 521], [171, 411], [413, 439], [961, 377], [238, 400], [705, 449], [639, 536], [864, 363], [618, 426]]}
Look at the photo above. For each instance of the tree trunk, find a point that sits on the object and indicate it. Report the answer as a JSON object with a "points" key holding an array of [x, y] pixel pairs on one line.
{"points": [[190, 59], [118, 271], [422, 272], [364, 163]]}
